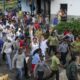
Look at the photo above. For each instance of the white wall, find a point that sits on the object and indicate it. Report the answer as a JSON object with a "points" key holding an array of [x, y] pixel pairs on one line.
{"points": [[73, 6]]}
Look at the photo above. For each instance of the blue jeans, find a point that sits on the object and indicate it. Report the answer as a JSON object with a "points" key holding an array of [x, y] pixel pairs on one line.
{"points": [[20, 74], [9, 62]]}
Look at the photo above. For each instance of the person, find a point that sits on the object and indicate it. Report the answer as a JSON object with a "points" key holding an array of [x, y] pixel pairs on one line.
{"points": [[43, 46], [40, 68], [6, 52], [75, 47], [71, 37], [55, 64], [27, 65], [1, 45], [71, 70], [64, 49], [1, 31], [19, 58], [35, 58], [53, 43], [55, 21], [34, 45]]}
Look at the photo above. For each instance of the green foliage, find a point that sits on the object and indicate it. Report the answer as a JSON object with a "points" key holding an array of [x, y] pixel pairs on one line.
{"points": [[73, 26]]}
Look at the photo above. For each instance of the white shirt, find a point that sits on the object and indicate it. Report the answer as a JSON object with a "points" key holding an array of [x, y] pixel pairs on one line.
{"points": [[34, 47], [19, 58], [12, 26], [18, 33], [63, 47], [7, 47], [43, 46], [33, 19]]}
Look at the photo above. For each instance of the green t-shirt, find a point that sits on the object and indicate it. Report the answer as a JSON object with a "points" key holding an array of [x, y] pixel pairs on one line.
{"points": [[55, 63], [76, 46], [53, 41]]}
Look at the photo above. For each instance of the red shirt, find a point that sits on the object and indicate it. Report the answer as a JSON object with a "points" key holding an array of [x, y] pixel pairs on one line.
{"points": [[37, 26], [21, 43], [66, 32]]}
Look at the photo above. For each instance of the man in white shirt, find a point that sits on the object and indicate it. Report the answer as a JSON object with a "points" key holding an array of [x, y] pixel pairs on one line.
{"points": [[19, 60], [7, 50]]}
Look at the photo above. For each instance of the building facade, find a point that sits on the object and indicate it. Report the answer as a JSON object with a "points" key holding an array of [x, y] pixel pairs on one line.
{"points": [[71, 6], [41, 6]]}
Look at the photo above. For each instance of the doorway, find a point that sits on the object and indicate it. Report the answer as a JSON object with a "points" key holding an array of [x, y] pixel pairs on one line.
{"points": [[38, 6], [63, 7]]}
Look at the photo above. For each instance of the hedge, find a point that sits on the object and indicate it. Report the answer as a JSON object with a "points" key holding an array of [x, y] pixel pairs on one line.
{"points": [[73, 26]]}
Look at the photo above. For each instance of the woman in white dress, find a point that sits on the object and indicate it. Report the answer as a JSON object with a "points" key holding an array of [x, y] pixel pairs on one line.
{"points": [[34, 45]]}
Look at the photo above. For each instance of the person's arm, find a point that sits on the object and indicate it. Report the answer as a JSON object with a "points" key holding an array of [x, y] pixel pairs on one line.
{"points": [[47, 60], [35, 69], [14, 60]]}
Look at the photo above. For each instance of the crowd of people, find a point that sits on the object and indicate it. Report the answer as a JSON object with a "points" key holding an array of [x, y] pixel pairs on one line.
{"points": [[28, 44]]}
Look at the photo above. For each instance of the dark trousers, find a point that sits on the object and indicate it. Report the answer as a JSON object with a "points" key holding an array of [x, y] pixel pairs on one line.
{"points": [[63, 57], [71, 79], [51, 48], [4, 56], [19, 74], [40, 75], [56, 73]]}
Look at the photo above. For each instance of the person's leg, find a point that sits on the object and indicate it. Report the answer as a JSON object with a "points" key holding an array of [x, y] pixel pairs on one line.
{"points": [[17, 74], [40, 75], [57, 74], [9, 61], [22, 74], [50, 48], [54, 48], [4, 56], [63, 58]]}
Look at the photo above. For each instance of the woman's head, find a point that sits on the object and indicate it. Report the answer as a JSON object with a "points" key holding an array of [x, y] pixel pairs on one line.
{"points": [[20, 50], [35, 40], [78, 38]]}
